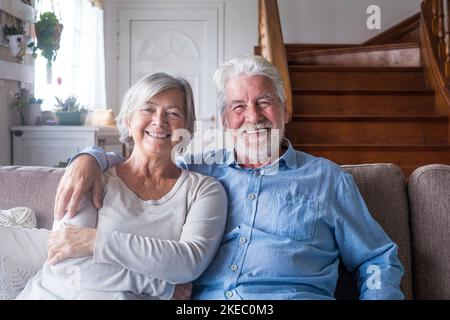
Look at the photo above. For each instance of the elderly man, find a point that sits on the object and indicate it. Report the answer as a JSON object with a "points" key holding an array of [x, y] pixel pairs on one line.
{"points": [[291, 216]]}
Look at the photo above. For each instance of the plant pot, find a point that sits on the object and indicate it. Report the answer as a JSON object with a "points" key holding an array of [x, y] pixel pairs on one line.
{"points": [[69, 118], [32, 114], [15, 43]]}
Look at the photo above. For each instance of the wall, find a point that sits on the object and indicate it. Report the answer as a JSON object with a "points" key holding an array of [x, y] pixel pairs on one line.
{"points": [[338, 21], [13, 75]]}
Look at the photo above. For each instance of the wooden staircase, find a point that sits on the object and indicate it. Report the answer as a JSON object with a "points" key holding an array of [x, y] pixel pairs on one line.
{"points": [[367, 114], [367, 103]]}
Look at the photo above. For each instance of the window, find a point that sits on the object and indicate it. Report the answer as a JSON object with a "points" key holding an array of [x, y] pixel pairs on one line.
{"points": [[79, 68]]}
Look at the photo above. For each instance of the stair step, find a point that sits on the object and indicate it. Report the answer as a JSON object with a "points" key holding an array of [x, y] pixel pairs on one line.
{"points": [[351, 102], [403, 54], [408, 157], [368, 130], [369, 118], [356, 78]]}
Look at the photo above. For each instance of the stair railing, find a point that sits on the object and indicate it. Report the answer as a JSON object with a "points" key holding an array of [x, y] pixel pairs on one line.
{"points": [[435, 49], [272, 44], [436, 14]]}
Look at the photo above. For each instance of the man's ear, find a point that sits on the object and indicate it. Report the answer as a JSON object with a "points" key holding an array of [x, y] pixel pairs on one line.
{"points": [[285, 115]]}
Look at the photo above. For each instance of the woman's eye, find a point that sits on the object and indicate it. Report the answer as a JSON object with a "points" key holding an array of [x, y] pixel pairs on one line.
{"points": [[263, 104], [174, 114]]}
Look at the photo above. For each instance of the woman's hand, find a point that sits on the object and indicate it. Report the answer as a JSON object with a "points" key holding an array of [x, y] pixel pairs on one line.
{"points": [[70, 242], [82, 175]]}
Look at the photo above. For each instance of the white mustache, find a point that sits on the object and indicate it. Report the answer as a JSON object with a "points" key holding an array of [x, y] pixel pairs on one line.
{"points": [[261, 125]]}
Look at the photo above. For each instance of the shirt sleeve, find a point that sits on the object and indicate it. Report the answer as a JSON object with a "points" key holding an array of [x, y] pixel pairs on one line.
{"points": [[365, 247], [104, 159], [173, 261]]}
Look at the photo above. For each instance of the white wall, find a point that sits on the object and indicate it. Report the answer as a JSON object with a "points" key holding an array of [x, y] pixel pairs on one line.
{"points": [[339, 21], [6, 119]]}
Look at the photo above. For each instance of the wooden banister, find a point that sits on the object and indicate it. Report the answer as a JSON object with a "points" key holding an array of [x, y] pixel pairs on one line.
{"points": [[272, 44], [441, 30], [435, 50], [447, 44]]}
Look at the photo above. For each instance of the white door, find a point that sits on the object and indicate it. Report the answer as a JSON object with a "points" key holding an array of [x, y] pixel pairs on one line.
{"points": [[180, 40]]}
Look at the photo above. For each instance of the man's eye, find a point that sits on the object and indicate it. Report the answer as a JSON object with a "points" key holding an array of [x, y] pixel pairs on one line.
{"points": [[147, 109], [238, 108], [263, 104]]}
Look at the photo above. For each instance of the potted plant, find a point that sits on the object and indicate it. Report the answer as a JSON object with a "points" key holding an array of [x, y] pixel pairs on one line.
{"points": [[15, 34], [69, 111], [28, 107], [48, 34]]}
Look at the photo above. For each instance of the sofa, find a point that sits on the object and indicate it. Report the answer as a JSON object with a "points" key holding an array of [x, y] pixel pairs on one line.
{"points": [[415, 213]]}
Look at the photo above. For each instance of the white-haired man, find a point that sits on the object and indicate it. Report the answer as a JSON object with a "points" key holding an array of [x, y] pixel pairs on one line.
{"points": [[291, 216]]}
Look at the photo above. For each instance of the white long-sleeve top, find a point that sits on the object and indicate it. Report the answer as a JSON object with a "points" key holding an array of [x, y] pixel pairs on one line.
{"points": [[142, 248]]}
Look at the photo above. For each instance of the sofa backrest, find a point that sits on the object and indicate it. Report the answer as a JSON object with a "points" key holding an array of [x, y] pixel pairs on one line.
{"points": [[381, 185], [32, 187], [429, 196]]}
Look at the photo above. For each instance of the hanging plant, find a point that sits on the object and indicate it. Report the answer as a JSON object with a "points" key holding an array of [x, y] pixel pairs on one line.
{"points": [[48, 34]]}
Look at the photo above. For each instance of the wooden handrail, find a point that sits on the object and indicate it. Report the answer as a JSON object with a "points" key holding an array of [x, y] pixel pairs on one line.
{"points": [[435, 50], [437, 26], [272, 44]]}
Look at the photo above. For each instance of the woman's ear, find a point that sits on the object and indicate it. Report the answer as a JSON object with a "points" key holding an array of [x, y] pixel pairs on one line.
{"points": [[128, 125]]}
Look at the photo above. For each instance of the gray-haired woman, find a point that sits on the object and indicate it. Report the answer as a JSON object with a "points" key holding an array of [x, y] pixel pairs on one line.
{"points": [[159, 225]]}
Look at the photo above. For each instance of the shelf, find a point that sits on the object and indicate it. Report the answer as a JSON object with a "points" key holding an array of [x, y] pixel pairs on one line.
{"points": [[16, 71], [101, 129], [18, 9]]}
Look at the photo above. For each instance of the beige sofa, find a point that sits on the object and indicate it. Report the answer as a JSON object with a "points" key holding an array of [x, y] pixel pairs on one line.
{"points": [[415, 214]]}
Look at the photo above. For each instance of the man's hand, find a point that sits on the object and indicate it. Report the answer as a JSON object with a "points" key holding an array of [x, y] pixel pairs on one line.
{"points": [[182, 291], [81, 176], [70, 242]]}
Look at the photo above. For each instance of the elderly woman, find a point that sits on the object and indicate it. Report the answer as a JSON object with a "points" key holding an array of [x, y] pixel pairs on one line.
{"points": [[159, 225]]}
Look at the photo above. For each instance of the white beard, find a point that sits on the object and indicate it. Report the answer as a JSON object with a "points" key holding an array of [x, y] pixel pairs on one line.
{"points": [[261, 148]]}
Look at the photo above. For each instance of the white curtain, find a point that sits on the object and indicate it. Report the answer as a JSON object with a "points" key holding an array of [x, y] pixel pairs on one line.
{"points": [[79, 68]]}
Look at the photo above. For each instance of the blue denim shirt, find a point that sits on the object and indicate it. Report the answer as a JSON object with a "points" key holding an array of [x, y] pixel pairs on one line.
{"points": [[288, 226]]}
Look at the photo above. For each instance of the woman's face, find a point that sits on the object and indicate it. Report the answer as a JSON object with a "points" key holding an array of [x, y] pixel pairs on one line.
{"points": [[153, 124]]}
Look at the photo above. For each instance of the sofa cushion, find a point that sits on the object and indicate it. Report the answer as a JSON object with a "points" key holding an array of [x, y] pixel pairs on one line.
{"points": [[429, 196], [23, 251], [32, 187], [383, 187]]}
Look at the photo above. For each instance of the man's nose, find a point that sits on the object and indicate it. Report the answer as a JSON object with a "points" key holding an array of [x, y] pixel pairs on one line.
{"points": [[252, 114]]}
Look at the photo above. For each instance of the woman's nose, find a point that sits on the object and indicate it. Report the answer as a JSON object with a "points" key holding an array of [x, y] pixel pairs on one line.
{"points": [[159, 118]]}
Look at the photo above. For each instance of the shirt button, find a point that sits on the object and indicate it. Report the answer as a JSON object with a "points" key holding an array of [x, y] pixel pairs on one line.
{"points": [[242, 240], [233, 267], [251, 196], [229, 294]]}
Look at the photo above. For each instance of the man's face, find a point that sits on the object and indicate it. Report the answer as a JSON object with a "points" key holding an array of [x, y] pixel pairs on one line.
{"points": [[255, 115]]}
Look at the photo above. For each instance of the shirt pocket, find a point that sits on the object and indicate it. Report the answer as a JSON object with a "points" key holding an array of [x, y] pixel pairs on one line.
{"points": [[295, 218]]}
